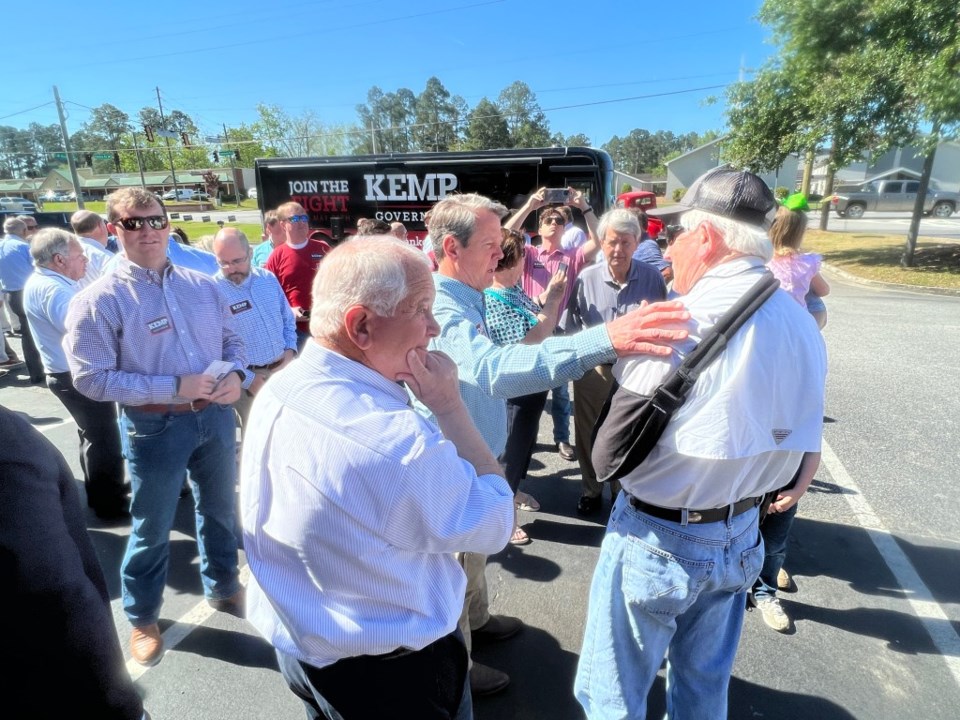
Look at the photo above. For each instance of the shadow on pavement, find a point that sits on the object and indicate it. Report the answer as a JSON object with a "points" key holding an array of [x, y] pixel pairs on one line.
{"points": [[236, 648]]}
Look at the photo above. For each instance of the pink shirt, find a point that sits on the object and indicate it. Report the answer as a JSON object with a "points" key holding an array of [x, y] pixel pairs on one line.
{"points": [[795, 271], [539, 266]]}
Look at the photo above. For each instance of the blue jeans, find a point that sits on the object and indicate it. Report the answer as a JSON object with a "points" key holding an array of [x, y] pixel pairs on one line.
{"points": [[560, 412], [775, 530], [662, 588], [159, 448]]}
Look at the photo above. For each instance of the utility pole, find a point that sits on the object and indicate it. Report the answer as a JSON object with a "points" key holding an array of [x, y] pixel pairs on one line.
{"points": [[233, 168], [173, 172], [66, 146], [136, 147]]}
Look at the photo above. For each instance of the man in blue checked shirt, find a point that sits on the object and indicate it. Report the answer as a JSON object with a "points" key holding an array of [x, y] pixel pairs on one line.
{"points": [[261, 313], [148, 336], [466, 232]]}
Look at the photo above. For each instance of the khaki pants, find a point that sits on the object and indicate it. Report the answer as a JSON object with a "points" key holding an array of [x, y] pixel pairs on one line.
{"points": [[589, 394], [476, 606], [243, 405]]}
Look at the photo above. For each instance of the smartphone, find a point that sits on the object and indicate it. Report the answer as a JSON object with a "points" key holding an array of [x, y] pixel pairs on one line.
{"points": [[562, 267], [556, 195]]}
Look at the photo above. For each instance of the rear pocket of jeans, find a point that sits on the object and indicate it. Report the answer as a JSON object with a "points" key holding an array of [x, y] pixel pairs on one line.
{"points": [[659, 581], [751, 563]]}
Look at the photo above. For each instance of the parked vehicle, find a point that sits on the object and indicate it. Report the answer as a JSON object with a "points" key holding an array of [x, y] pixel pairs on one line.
{"points": [[893, 196], [44, 219], [338, 191], [18, 203], [644, 200], [179, 194], [252, 193]]}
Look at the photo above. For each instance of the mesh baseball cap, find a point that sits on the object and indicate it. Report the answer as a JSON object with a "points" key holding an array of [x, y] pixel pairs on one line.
{"points": [[736, 194]]}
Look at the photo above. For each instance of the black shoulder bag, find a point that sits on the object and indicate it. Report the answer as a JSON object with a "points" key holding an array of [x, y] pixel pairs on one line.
{"points": [[630, 424]]}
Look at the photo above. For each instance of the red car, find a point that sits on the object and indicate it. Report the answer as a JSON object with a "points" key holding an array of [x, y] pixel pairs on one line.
{"points": [[644, 200]]}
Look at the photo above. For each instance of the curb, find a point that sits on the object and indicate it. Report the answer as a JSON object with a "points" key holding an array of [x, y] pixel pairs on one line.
{"points": [[919, 289]]}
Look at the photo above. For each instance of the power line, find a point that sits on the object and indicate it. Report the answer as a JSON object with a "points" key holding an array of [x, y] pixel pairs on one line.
{"points": [[21, 112]]}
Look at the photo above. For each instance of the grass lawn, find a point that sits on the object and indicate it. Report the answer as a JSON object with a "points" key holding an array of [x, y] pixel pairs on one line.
{"points": [[877, 257], [196, 230], [100, 206]]}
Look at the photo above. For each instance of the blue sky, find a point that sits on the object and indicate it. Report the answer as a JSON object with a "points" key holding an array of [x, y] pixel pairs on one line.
{"points": [[216, 60]]}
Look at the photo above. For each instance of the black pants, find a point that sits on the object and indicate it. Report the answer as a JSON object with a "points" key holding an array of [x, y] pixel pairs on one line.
{"points": [[523, 425], [30, 353], [428, 684], [100, 454]]}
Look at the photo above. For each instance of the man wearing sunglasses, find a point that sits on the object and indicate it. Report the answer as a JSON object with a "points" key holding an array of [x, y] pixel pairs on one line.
{"points": [[144, 336], [295, 263]]}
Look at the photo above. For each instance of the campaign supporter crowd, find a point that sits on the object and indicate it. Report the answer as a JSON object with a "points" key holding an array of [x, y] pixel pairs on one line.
{"points": [[388, 399]]}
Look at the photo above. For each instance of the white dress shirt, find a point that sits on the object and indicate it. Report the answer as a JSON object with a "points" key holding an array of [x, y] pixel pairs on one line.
{"points": [[751, 414], [352, 506], [97, 260], [46, 299]]}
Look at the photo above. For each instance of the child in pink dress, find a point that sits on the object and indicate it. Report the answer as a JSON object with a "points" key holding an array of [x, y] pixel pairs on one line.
{"points": [[798, 272]]}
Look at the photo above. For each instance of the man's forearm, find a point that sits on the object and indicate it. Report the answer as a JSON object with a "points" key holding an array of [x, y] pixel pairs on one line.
{"points": [[457, 427]]}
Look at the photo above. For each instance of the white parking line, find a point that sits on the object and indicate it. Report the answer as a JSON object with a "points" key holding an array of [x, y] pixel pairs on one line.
{"points": [[934, 620], [181, 628]]}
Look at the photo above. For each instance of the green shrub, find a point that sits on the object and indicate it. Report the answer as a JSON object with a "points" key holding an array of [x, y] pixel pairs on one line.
{"points": [[625, 188], [678, 194], [780, 192]]}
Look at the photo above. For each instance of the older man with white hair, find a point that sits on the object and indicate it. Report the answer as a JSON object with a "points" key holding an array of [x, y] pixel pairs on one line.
{"points": [[683, 547], [60, 265], [353, 505], [15, 267]]}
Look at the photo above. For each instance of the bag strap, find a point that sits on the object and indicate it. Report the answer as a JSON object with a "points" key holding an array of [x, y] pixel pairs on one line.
{"points": [[720, 334]]}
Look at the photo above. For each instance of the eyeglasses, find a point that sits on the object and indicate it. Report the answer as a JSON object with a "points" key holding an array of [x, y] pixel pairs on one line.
{"points": [[157, 222], [552, 221], [233, 263], [299, 219]]}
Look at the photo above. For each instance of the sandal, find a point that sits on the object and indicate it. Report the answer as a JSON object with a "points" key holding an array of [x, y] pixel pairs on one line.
{"points": [[526, 502], [520, 537]]}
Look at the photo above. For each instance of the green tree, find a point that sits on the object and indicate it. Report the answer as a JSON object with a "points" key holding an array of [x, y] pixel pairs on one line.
{"points": [[111, 124], [279, 134], [386, 119], [526, 121], [486, 128], [437, 117]]}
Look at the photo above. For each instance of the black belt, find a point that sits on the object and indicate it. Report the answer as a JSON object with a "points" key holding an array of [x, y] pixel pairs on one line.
{"points": [[271, 366], [172, 409], [697, 516]]}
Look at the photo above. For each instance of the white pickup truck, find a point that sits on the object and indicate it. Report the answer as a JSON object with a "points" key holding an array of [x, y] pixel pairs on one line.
{"points": [[893, 196]]}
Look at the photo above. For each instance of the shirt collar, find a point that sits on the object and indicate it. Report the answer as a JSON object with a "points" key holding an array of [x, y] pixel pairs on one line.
{"points": [[323, 361], [458, 289], [127, 267], [47, 272], [632, 273]]}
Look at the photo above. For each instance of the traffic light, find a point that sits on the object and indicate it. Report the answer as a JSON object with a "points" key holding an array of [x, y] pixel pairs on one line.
{"points": [[89, 158], [216, 156], [148, 131], [236, 154], [186, 139]]}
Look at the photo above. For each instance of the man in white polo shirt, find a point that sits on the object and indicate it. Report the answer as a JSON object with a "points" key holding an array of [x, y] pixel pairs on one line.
{"points": [[683, 547], [91, 230]]}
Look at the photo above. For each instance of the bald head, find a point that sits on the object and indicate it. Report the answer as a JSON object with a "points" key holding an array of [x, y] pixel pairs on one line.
{"points": [[88, 224], [232, 250]]}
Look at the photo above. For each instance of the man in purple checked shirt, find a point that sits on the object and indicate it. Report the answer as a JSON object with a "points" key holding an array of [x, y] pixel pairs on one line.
{"points": [[145, 336]]}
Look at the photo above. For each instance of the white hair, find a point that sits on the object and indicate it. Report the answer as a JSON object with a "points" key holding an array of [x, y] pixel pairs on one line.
{"points": [[621, 221], [371, 271], [739, 236], [457, 215]]}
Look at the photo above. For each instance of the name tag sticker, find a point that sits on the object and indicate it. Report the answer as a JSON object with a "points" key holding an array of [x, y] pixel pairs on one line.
{"points": [[160, 325], [537, 265], [239, 307]]}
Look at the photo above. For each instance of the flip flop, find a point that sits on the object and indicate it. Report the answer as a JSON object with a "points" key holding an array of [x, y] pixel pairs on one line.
{"points": [[526, 502], [520, 537]]}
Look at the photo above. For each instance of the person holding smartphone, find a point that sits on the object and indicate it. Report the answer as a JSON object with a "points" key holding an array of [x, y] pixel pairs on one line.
{"points": [[541, 264]]}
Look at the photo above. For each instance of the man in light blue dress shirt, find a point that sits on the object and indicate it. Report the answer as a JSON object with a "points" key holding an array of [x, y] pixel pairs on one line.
{"points": [[15, 267], [158, 339], [261, 313], [467, 236], [60, 265]]}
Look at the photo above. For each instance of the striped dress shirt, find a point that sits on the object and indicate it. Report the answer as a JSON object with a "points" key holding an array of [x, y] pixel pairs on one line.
{"points": [[489, 373], [262, 317], [97, 260], [352, 506], [134, 331]]}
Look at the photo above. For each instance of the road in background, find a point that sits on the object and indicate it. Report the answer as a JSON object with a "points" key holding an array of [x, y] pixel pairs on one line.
{"points": [[859, 650]]}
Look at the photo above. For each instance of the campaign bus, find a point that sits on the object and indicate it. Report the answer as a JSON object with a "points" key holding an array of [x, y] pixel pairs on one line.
{"points": [[336, 192]]}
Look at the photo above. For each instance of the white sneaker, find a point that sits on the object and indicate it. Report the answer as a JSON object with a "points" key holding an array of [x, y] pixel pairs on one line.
{"points": [[773, 613]]}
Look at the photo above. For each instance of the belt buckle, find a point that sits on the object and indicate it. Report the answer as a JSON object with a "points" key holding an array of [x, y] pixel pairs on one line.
{"points": [[693, 516], [194, 408]]}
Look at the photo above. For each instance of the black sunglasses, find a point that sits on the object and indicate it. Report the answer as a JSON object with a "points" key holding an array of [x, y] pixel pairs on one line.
{"points": [[157, 222]]}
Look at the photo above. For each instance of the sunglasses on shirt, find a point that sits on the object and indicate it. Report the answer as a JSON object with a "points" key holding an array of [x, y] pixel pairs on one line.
{"points": [[298, 218], [157, 222]]}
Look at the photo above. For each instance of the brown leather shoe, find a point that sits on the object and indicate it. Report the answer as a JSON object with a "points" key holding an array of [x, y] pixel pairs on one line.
{"points": [[234, 605], [485, 680], [146, 645]]}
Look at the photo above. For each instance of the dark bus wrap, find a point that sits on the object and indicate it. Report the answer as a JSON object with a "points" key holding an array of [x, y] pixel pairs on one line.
{"points": [[336, 192]]}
